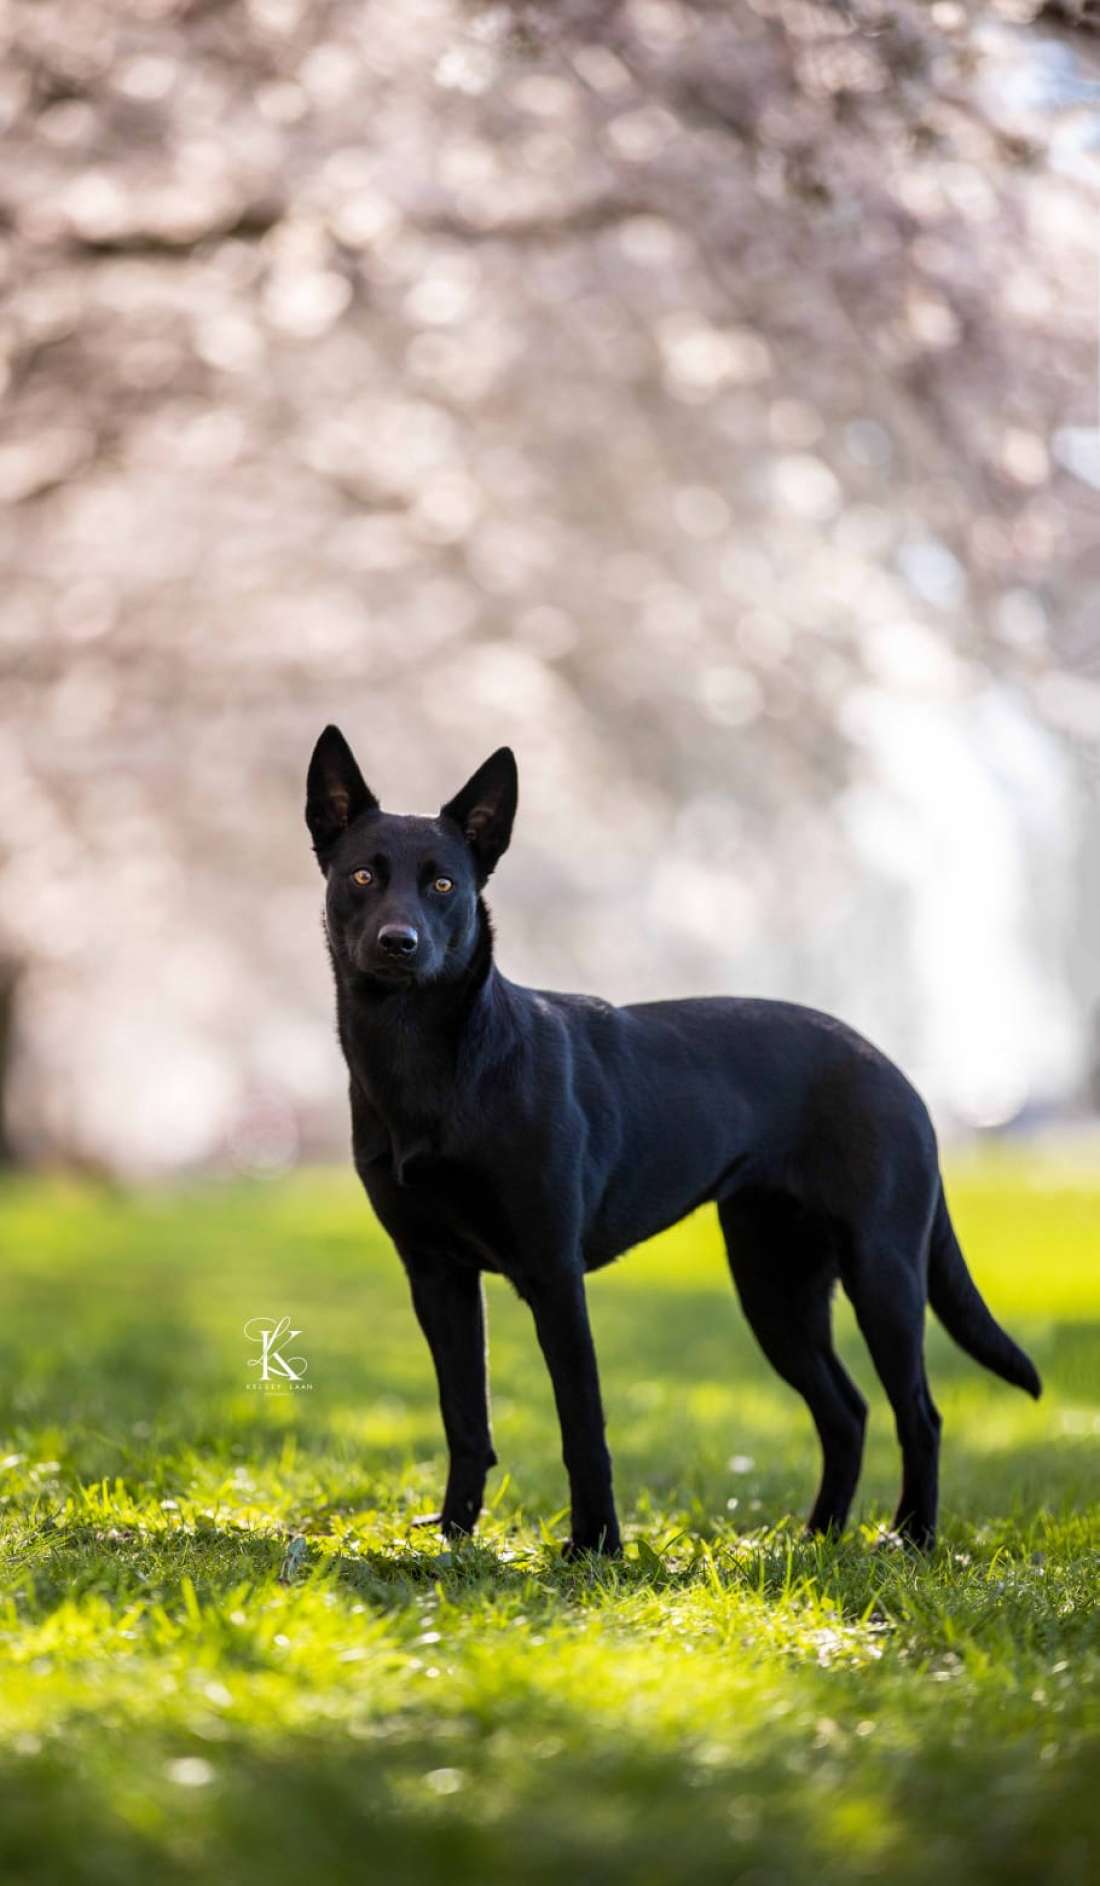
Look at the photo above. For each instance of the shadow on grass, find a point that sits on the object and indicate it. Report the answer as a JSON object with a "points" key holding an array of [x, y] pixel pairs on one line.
{"points": [[447, 1801], [854, 1577]]}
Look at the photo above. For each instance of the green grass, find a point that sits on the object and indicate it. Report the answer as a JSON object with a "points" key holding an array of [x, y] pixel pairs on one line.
{"points": [[729, 1703]]}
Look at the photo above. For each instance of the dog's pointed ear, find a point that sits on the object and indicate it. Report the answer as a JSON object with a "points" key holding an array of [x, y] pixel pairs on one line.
{"points": [[336, 792], [485, 808]]}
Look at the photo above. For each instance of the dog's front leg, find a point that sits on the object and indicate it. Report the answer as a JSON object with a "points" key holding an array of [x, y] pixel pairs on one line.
{"points": [[561, 1320], [447, 1298]]}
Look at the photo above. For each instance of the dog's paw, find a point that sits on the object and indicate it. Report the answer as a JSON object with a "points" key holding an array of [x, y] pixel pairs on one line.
{"points": [[915, 1541], [604, 1542], [456, 1528], [444, 1522]]}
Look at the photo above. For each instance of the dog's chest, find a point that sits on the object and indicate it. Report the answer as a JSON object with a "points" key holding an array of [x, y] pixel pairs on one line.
{"points": [[438, 1204]]}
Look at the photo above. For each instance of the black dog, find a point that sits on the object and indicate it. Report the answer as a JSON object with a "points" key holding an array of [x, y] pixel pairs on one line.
{"points": [[540, 1135]]}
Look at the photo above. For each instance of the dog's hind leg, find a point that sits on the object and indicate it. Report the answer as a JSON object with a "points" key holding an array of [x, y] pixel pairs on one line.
{"points": [[785, 1287], [888, 1295]]}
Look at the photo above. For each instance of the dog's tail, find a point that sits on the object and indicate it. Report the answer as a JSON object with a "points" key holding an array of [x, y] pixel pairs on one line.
{"points": [[954, 1296]]}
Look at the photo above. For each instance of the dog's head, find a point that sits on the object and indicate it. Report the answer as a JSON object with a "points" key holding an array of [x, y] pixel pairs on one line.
{"points": [[402, 899]]}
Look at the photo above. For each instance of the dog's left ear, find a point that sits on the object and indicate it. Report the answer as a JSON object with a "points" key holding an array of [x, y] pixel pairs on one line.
{"points": [[485, 808], [336, 792]]}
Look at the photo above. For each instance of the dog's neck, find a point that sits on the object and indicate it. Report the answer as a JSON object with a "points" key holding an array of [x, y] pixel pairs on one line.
{"points": [[404, 1046]]}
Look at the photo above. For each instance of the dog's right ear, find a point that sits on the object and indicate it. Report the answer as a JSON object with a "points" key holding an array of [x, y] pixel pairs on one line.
{"points": [[336, 792]]}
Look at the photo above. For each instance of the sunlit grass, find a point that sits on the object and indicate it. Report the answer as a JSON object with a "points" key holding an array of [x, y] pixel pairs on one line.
{"points": [[728, 1701]]}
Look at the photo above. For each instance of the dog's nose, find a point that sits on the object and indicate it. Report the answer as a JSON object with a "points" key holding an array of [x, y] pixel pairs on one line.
{"points": [[398, 939]]}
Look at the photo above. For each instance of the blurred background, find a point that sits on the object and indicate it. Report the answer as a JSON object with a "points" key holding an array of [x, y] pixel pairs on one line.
{"points": [[701, 398]]}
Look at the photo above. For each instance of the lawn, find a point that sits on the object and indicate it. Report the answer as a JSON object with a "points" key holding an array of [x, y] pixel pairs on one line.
{"points": [[728, 1703]]}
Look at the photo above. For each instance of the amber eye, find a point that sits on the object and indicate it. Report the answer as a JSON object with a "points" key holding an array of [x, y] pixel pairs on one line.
{"points": [[443, 885], [362, 877]]}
